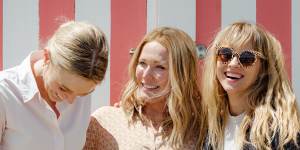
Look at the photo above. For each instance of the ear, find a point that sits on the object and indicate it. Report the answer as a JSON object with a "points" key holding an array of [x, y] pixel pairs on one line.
{"points": [[46, 56]]}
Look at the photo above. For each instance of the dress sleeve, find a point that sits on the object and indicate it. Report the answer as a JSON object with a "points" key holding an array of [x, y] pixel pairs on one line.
{"points": [[98, 138]]}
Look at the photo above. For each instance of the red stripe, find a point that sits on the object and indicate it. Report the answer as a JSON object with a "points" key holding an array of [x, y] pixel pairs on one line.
{"points": [[128, 26], [52, 14], [1, 35], [208, 20], [275, 16]]}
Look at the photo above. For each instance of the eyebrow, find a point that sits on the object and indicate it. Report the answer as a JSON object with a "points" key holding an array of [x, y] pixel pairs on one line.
{"points": [[66, 88], [154, 61], [84, 94]]}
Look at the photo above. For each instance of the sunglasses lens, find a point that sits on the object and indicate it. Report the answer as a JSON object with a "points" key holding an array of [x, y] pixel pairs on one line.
{"points": [[224, 54], [247, 58]]}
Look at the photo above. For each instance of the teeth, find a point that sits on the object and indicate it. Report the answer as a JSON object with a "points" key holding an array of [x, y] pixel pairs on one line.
{"points": [[233, 75], [149, 86]]}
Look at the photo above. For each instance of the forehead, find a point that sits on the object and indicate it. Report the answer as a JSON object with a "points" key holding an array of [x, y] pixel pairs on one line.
{"points": [[154, 51], [237, 47], [73, 82]]}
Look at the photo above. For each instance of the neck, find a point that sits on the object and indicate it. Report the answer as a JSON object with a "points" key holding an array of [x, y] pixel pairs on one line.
{"points": [[37, 63], [37, 68], [155, 112], [237, 104]]}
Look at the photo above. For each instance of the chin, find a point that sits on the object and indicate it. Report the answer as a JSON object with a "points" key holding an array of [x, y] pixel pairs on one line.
{"points": [[155, 100], [229, 89]]}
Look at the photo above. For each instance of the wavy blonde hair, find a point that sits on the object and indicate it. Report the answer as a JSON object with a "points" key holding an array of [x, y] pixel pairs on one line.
{"points": [[271, 100], [186, 116]]}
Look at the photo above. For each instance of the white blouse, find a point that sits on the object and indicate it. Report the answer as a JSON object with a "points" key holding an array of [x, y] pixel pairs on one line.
{"points": [[27, 121], [231, 131]]}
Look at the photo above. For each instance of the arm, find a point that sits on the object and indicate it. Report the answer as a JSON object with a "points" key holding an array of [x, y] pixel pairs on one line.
{"points": [[99, 138]]}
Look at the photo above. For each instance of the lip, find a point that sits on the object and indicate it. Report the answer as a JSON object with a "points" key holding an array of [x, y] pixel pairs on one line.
{"points": [[233, 76], [56, 97], [149, 86]]}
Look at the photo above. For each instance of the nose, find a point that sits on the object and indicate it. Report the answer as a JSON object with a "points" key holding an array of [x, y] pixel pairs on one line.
{"points": [[70, 98], [147, 72], [234, 62]]}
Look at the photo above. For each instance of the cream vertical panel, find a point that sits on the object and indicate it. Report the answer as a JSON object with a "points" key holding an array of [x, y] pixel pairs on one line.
{"points": [[234, 10], [20, 30], [175, 13], [152, 16], [296, 47], [98, 13]]}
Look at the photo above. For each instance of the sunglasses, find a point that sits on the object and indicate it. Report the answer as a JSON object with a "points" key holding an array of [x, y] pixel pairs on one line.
{"points": [[246, 58]]}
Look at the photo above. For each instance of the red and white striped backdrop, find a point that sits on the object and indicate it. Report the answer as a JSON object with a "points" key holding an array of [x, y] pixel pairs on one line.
{"points": [[27, 24]]}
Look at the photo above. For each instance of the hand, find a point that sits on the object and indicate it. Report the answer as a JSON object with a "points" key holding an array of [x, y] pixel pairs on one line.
{"points": [[117, 104]]}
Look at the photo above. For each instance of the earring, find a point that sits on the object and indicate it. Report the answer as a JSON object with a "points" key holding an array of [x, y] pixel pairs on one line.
{"points": [[46, 54]]}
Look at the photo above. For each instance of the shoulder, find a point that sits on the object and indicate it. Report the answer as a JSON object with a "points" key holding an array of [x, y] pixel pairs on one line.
{"points": [[5, 89], [9, 74], [106, 111], [108, 115], [9, 81], [98, 137]]}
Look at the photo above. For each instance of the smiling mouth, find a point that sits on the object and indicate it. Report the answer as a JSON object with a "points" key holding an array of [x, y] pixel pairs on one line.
{"points": [[56, 97], [233, 76], [149, 87]]}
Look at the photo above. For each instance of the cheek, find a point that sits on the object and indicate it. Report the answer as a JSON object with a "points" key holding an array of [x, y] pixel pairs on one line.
{"points": [[139, 73], [48, 79], [253, 74], [47, 83], [50, 84], [163, 77], [220, 70]]}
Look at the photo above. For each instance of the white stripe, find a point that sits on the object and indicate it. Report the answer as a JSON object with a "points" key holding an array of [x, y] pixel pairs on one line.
{"points": [[238, 10], [152, 16], [98, 13], [296, 47], [20, 30], [176, 13]]}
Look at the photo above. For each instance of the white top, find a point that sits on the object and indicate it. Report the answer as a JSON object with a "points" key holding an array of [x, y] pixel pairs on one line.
{"points": [[27, 122], [231, 131]]}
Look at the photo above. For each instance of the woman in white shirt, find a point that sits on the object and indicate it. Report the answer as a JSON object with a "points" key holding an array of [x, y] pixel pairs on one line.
{"points": [[45, 101], [251, 102]]}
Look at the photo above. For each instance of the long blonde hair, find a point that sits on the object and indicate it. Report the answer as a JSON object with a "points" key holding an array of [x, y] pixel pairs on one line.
{"points": [[186, 116], [271, 100]]}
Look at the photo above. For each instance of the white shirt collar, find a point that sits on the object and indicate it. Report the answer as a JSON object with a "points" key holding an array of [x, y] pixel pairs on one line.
{"points": [[27, 83]]}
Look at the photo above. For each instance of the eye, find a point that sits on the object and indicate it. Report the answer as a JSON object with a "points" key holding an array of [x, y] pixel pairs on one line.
{"points": [[142, 63], [161, 67], [247, 58], [224, 54], [62, 89]]}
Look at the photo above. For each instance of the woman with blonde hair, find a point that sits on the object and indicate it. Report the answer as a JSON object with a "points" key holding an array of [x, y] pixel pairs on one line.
{"points": [[161, 106], [245, 86], [45, 101]]}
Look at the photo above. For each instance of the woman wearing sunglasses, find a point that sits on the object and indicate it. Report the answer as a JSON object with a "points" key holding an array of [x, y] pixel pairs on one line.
{"points": [[161, 107], [251, 102]]}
